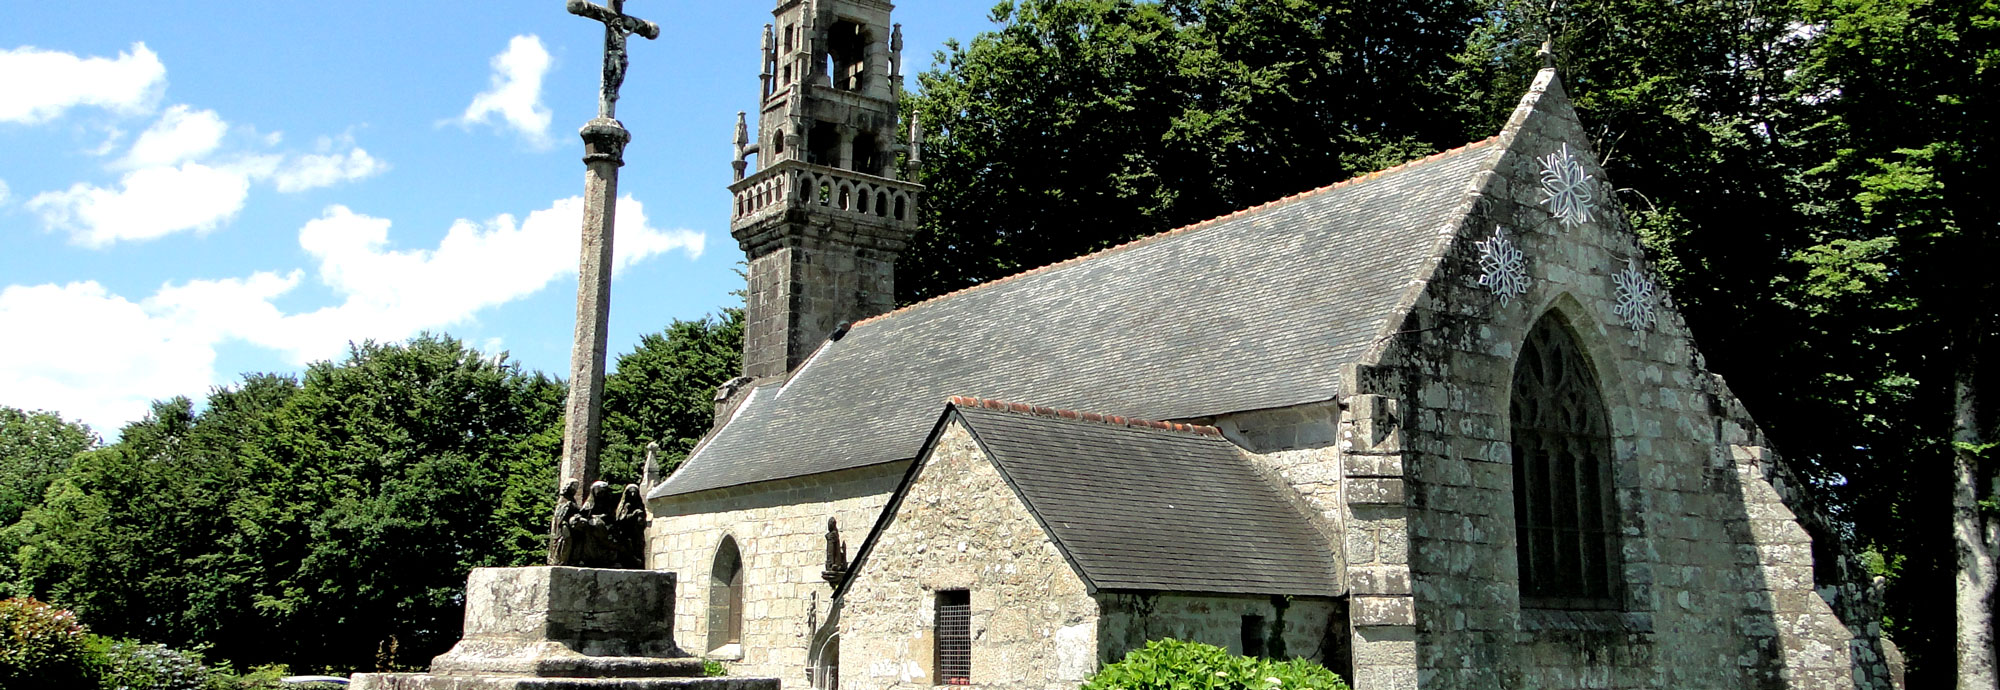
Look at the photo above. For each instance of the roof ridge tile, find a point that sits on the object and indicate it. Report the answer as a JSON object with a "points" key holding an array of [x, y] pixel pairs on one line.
{"points": [[1266, 206], [1074, 415]]}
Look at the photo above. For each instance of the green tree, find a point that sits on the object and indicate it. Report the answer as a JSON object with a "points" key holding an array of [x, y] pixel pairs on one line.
{"points": [[664, 392], [1080, 124], [322, 521], [1907, 89], [35, 447]]}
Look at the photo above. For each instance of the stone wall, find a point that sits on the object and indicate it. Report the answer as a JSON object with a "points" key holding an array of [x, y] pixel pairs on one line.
{"points": [[1710, 563], [1128, 621], [780, 528], [962, 527], [1295, 447]]}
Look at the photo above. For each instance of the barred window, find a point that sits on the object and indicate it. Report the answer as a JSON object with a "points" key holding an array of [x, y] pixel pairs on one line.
{"points": [[725, 596], [1563, 507], [954, 637]]}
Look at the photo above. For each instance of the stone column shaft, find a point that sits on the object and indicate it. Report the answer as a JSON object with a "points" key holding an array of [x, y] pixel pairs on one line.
{"points": [[604, 147]]}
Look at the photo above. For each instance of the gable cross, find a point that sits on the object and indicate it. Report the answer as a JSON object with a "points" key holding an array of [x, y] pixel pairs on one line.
{"points": [[618, 26]]}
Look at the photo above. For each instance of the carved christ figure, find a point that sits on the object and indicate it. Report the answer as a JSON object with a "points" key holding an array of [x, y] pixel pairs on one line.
{"points": [[618, 26]]}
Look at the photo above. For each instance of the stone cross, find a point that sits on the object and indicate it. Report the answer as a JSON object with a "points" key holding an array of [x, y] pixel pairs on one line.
{"points": [[604, 140], [618, 26]]}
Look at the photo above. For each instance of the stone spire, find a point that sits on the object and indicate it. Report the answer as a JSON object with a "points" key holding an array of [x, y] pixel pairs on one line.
{"points": [[823, 212]]}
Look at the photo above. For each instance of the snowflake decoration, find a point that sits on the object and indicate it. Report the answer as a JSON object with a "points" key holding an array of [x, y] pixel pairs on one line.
{"points": [[1502, 267], [1569, 193], [1635, 298]]}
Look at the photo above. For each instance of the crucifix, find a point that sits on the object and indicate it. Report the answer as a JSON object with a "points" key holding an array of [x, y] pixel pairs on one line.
{"points": [[618, 26], [604, 140]]}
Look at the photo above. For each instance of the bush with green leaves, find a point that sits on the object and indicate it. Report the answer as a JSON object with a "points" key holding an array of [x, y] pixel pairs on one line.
{"points": [[131, 665], [1183, 665], [42, 646]]}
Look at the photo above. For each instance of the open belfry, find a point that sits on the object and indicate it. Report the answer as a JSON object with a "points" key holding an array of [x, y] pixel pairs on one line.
{"points": [[1438, 426], [826, 210]]}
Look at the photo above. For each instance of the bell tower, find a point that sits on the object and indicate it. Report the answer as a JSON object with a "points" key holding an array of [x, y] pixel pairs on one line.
{"points": [[823, 210]]}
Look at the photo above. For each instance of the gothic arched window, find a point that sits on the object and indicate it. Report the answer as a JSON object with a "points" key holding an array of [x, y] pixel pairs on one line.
{"points": [[725, 596], [1565, 525]]}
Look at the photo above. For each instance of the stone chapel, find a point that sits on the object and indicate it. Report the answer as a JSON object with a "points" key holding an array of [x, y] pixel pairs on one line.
{"points": [[1434, 427]]}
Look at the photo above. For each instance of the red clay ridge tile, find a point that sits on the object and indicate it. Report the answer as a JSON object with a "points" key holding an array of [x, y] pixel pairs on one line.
{"points": [[1113, 420], [1190, 228]]}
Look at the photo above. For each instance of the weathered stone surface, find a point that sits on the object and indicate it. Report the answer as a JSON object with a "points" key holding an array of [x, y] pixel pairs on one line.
{"points": [[567, 622], [780, 530], [960, 526]]}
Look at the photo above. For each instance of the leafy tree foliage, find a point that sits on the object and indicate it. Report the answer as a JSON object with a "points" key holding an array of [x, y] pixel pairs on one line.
{"points": [[1079, 124], [664, 391], [327, 521], [35, 447]]}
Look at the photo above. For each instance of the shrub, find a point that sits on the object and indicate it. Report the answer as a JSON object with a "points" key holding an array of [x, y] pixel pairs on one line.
{"points": [[136, 666], [713, 669], [1183, 665], [42, 646]]}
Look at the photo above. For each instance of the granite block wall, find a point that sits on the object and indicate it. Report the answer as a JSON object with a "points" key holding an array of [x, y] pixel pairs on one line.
{"points": [[1716, 587], [780, 528], [961, 526]]}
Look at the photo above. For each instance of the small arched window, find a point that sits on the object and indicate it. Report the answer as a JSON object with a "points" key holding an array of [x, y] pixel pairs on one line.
{"points": [[725, 597], [1565, 525]]}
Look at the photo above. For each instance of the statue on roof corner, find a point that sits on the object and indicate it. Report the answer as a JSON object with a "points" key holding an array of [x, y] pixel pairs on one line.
{"points": [[836, 554], [607, 530]]}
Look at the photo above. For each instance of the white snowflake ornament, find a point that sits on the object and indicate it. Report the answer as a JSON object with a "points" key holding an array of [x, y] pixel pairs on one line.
{"points": [[1635, 298], [1570, 194], [1502, 267]]}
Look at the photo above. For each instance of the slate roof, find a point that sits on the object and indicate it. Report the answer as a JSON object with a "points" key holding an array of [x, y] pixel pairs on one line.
{"points": [[1138, 506], [1251, 311]]}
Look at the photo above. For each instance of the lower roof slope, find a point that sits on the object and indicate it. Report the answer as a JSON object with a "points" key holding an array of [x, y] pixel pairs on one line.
{"points": [[1252, 311], [1143, 507]]}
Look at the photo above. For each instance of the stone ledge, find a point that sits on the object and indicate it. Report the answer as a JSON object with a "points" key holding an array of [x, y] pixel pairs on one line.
{"points": [[549, 659], [425, 681]]}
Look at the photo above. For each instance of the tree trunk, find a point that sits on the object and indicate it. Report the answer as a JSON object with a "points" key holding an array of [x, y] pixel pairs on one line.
{"points": [[1972, 531]]}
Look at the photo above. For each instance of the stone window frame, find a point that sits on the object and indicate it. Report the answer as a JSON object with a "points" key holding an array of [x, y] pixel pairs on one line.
{"points": [[727, 642], [952, 627], [1617, 595]]}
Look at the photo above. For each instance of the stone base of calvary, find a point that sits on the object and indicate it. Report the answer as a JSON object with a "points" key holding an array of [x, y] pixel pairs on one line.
{"points": [[560, 628]]}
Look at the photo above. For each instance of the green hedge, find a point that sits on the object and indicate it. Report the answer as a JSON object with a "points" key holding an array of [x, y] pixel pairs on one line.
{"points": [[47, 648], [1182, 665], [42, 646]]}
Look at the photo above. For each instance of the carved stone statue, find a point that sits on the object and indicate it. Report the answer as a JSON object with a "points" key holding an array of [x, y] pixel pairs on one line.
{"points": [[836, 554], [561, 548], [628, 529], [607, 531]]}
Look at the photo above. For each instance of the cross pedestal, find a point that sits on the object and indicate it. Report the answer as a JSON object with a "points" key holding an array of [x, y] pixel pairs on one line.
{"points": [[556, 628]]}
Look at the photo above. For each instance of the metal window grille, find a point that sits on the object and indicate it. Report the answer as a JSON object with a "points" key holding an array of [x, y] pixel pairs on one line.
{"points": [[954, 637], [1562, 476]]}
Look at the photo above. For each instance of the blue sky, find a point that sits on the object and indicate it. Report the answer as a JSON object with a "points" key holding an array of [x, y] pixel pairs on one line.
{"points": [[191, 191]]}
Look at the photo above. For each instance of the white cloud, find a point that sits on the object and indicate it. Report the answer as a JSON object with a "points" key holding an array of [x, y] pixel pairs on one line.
{"points": [[325, 170], [392, 294], [103, 358], [148, 203], [175, 181], [181, 134], [516, 93], [94, 355], [3, 192], [39, 84]]}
